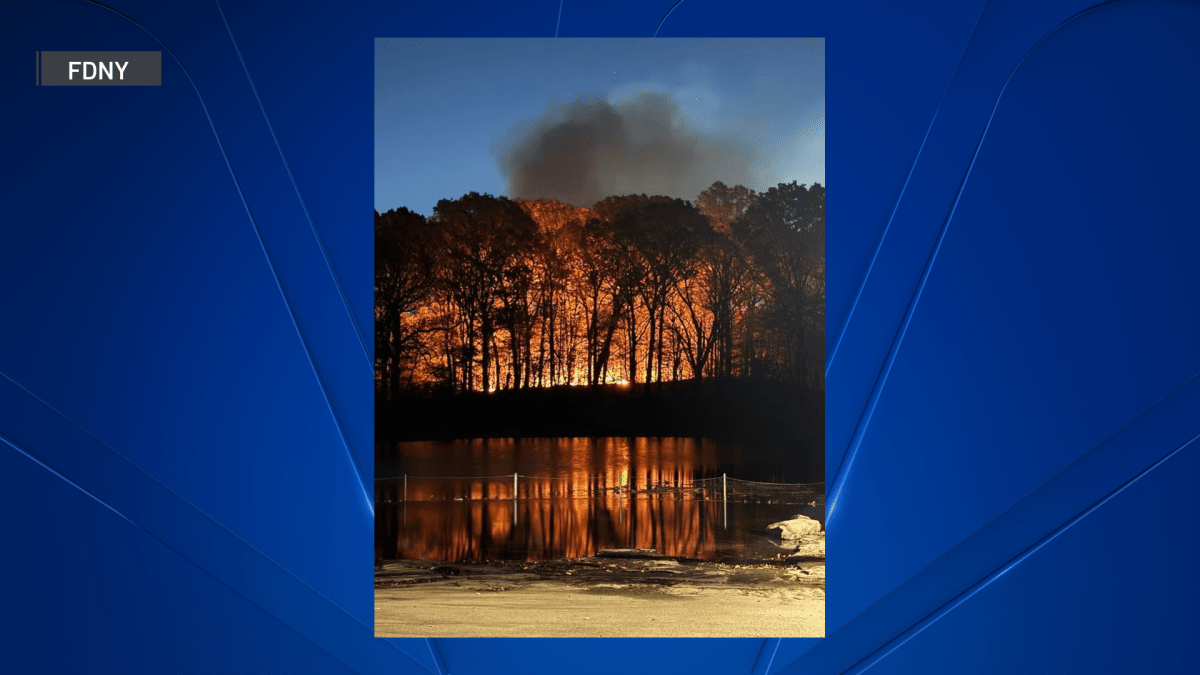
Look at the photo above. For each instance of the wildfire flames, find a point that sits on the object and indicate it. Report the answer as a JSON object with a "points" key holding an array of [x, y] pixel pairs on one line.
{"points": [[491, 293]]}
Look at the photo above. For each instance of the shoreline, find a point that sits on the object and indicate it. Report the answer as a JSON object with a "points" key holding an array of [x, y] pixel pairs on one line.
{"points": [[784, 423], [627, 596]]}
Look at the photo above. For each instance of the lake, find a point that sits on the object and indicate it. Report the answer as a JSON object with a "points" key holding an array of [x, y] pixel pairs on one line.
{"points": [[453, 500]]}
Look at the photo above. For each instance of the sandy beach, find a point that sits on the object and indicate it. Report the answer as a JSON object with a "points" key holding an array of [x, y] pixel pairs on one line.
{"points": [[648, 596]]}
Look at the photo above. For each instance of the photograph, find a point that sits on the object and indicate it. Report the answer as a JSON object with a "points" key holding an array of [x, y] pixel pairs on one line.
{"points": [[599, 337]]}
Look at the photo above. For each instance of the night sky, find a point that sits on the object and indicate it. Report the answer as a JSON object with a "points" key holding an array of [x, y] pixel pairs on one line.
{"points": [[578, 119]]}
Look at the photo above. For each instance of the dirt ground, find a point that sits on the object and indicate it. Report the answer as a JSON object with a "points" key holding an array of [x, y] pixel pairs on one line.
{"points": [[600, 597]]}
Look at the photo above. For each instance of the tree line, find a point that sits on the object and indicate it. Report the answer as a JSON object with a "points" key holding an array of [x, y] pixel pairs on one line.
{"points": [[494, 293]]}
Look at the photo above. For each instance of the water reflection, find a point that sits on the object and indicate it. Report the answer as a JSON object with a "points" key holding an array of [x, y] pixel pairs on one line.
{"points": [[573, 497]]}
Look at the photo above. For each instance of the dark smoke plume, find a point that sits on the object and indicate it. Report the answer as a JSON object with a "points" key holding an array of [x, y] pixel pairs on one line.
{"points": [[590, 149]]}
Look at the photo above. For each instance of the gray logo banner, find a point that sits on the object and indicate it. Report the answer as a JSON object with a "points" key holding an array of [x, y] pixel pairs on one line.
{"points": [[100, 69]]}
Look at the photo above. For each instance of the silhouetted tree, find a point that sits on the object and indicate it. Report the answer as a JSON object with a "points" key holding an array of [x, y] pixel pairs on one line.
{"points": [[492, 293], [728, 270], [558, 256], [666, 234], [402, 285], [600, 276], [784, 230], [628, 270], [485, 241]]}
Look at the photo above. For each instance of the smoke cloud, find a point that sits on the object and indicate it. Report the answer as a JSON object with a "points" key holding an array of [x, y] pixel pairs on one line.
{"points": [[589, 149]]}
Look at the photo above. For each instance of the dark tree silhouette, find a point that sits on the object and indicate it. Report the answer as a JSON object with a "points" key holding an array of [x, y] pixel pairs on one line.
{"points": [[602, 289], [559, 254], [628, 271], [784, 230], [728, 271], [493, 293], [402, 285], [666, 234], [486, 243]]}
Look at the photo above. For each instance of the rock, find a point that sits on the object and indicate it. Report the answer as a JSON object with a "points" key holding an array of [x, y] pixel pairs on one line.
{"points": [[813, 572], [797, 527], [809, 547]]}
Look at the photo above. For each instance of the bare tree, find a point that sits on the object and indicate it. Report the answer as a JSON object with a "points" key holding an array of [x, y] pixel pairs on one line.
{"points": [[727, 268], [785, 233], [492, 293], [486, 242], [402, 285]]}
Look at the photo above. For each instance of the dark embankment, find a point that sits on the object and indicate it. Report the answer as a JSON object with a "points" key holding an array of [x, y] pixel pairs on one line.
{"points": [[753, 412]]}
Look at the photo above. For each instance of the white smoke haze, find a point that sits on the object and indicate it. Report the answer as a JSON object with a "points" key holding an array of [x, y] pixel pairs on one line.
{"points": [[643, 138]]}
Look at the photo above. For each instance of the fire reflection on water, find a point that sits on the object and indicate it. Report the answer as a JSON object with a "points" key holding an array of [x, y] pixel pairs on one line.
{"points": [[573, 497]]}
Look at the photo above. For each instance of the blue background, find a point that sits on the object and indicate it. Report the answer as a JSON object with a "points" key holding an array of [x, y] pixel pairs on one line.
{"points": [[185, 289]]}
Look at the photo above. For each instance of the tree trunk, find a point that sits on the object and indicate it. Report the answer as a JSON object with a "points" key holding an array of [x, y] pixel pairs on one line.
{"points": [[651, 312], [631, 332], [486, 333], [552, 314], [662, 319]]}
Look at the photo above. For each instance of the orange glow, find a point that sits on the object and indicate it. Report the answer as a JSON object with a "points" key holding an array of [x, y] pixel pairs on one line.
{"points": [[568, 296]]}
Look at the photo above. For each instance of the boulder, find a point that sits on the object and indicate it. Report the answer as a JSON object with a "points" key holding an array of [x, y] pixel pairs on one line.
{"points": [[795, 528], [809, 546]]}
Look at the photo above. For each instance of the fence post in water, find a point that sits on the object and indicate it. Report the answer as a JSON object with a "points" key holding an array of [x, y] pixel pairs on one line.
{"points": [[514, 498], [725, 500], [405, 487], [621, 499]]}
